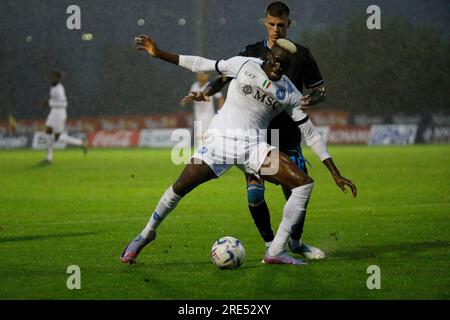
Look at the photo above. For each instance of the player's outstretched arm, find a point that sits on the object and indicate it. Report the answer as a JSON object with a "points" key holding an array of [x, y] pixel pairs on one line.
{"points": [[341, 181], [314, 140], [193, 63], [147, 44]]}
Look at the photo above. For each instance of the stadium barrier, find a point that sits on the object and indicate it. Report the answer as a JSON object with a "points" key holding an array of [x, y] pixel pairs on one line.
{"points": [[436, 134], [155, 131], [349, 135], [180, 119], [165, 138], [168, 138], [16, 141], [40, 142], [392, 134]]}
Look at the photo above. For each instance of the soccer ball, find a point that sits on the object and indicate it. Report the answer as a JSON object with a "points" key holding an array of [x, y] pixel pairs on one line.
{"points": [[228, 253]]}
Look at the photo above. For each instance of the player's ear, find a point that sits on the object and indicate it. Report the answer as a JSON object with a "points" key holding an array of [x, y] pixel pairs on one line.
{"points": [[289, 23]]}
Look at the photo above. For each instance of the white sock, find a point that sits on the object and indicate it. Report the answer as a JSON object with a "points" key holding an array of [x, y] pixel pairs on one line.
{"points": [[71, 140], [50, 140], [294, 208], [268, 244], [168, 202]]}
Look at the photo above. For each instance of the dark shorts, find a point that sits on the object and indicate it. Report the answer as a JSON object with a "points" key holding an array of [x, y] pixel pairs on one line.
{"points": [[296, 156]]}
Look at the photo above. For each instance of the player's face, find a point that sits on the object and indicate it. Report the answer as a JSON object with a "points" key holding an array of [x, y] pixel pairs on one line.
{"points": [[202, 78], [54, 78], [277, 63], [276, 27]]}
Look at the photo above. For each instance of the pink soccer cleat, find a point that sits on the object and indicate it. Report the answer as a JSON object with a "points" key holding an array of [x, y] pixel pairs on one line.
{"points": [[131, 252], [282, 258]]}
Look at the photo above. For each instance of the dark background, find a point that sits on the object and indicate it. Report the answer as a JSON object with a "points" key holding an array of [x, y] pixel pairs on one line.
{"points": [[402, 68]]}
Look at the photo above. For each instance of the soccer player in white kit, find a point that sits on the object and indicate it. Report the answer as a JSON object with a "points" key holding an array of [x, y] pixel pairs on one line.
{"points": [[204, 111], [258, 92], [56, 119]]}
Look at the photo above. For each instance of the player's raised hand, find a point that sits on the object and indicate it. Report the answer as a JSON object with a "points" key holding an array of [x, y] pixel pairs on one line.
{"points": [[316, 96], [195, 96], [342, 182], [147, 44]]}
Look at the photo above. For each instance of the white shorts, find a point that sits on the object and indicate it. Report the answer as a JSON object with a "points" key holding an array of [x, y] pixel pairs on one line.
{"points": [[57, 119], [221, 153]]}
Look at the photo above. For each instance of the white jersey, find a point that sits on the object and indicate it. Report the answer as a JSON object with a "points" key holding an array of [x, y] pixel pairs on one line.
{"points": [[204, 110], [58, 104], [57, 97], [253, 100]]}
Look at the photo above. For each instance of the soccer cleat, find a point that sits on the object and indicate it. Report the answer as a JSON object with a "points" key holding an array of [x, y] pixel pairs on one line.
{"points": [[282, 258], [131, 251], [45, 162], [307, 251]]}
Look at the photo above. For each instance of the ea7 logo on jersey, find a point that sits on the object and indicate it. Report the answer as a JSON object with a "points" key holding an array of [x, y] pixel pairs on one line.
{"points": [[248, 74], [268, 100]]}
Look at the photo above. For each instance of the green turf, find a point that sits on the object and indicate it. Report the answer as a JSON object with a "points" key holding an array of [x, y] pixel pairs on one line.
{"points": [[83, 210]]}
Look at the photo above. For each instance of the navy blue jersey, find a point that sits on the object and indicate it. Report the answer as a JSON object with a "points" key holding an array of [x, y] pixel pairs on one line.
{"points": [[304, 73]]}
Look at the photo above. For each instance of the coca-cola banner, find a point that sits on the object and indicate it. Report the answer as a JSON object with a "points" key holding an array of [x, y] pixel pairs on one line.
{"points": [[114, 139], [349, 135]]}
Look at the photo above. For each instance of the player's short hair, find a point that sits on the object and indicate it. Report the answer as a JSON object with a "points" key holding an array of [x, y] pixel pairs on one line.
{"points": [[56, 73], [287, 45], [277, 9]]}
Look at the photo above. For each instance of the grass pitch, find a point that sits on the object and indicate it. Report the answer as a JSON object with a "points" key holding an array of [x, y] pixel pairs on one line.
{"points": [[82, 210]]}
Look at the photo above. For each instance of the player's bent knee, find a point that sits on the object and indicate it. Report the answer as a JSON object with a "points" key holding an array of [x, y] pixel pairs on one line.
{"points": [[255, 194], [302, 181], [180, 189], [309, 180]]}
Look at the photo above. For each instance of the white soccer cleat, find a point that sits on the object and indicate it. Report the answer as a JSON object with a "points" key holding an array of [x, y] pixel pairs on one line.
{"points": [[309, 252]]}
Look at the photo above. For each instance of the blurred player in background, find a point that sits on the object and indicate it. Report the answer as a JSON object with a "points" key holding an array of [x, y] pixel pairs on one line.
{"points": [[303, 72], [12, 124], [56, 119], [203, 110]]}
